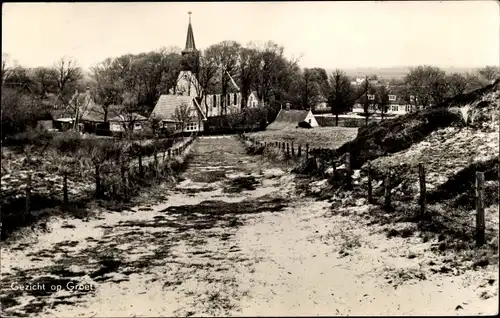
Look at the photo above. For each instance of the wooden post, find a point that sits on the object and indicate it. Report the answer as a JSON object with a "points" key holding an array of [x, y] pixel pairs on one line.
{"points": [[480, 222], [125, 184], [307, 151], [369, 172], [422, 199], [28, 195], [299, 151], [348, 163], [65, 189], [140, 165], [293, 150], [387, 186], [97, 181]]}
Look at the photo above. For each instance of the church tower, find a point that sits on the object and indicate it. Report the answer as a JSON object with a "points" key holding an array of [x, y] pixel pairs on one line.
{"points": [[187, 83], [190, 55]]}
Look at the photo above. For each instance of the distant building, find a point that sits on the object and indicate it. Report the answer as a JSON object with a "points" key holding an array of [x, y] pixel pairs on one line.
{"points": [[398, 105]]}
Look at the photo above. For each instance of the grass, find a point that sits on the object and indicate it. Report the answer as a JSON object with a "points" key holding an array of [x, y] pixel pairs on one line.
{"points": [[318, 137]]}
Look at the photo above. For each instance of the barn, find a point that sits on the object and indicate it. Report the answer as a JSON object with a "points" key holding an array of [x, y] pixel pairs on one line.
{"points": [[291, 118]]}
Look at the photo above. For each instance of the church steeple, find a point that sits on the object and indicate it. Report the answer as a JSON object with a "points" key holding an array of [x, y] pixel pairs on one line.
{"points": [[190, 55], [190, 46]]}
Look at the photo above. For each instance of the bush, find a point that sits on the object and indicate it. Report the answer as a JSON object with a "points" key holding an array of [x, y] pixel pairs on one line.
{"points": [[304, 124]]}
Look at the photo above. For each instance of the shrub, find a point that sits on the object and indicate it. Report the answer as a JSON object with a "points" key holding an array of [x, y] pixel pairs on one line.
{"points": [[304, 124]]}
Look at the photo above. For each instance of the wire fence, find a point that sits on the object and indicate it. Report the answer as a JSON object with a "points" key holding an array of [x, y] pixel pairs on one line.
{"points": [[114, 178], [325, 157]]}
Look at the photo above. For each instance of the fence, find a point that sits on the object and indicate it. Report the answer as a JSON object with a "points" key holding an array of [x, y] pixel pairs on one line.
{"points": [[317, 153], [119, 174]]}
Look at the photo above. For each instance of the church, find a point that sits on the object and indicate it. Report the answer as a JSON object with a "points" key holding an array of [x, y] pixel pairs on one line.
{"points": [[188, 92]]}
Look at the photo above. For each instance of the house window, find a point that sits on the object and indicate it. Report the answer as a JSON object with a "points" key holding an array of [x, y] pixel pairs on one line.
{"points": [[371, 97], [215, 101], [254, 104], [137, 126], [394, 108], [191, 126], [235, 99], [392, 97], [408, 108]]}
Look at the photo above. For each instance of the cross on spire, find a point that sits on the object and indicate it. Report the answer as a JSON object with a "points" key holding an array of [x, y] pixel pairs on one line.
{"points": [[190, 16]]}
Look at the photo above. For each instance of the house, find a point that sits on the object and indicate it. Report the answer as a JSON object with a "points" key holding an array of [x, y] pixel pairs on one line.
{"points": [[287, 119], [121, 123], [168, 105], [188, 91], [397, 105], [321, 105]]}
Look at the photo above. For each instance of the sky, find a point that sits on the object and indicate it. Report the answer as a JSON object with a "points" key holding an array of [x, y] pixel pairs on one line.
{"points": [[326, 34]]}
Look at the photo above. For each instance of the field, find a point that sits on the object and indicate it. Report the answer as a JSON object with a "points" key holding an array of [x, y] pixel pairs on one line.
{"points": [[318, 137]]}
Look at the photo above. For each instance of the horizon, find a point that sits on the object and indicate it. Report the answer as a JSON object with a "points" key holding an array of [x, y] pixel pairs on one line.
{"points": [[465, 34]]}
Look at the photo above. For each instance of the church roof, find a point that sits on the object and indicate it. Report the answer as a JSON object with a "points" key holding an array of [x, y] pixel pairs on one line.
{"points": [[190, 45]]}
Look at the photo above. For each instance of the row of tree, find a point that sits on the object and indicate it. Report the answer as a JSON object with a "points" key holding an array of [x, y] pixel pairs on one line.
{"points": [[137, 81]]}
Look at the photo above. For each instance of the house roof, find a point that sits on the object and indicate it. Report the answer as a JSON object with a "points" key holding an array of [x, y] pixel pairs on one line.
{"points": [[288, 119], [131, 117], [166, 105]]}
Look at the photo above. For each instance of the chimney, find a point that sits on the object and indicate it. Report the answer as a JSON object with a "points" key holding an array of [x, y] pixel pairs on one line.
{"points": [[287, 105]]}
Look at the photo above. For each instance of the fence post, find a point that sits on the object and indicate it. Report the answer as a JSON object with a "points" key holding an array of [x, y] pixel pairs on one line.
{"points": [[369, 172], [480, 222], [422, 199], [125, 183], [140, 165], [293, 150], [299, 151], [307, 151], [65, 189], [348, 163], [28, 195], [387, 186], [97, 181]]}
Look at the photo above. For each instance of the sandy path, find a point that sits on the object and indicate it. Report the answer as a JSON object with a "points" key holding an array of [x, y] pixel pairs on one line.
{"points": [[234, 238]]}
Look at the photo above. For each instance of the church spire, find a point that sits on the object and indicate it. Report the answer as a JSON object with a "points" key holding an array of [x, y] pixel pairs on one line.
{"points": [[190, 46]]}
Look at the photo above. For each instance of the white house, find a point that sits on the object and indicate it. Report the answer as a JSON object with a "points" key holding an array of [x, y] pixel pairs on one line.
{"points": [[123, 122], [166, 107]]}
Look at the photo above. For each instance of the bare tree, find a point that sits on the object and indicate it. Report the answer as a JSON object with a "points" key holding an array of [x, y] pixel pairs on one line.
{"points": [[383, 100], [458, 83], [489, 73], [340, 97], [367, 97], [427, 83], [67, 73], [225, 55], [45, 80], [6, 67], [109, 89], [183, 116]]}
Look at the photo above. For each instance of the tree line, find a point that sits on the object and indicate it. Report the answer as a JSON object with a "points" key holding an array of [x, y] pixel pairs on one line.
{"points": [[136, 81]]}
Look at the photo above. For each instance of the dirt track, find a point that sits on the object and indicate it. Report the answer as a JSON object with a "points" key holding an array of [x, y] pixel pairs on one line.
{"points": [[234, 238]]}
